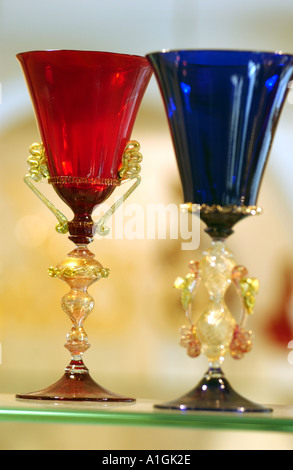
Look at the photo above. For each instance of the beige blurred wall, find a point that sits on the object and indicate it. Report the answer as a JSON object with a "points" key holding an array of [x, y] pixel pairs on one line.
{"points": [[133, 329]]}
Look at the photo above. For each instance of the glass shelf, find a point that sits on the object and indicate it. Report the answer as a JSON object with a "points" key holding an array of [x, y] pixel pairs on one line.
{"points": [[141, 413]]}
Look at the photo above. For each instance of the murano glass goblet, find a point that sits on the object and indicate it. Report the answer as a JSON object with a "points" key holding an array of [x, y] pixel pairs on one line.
{"points": [[85, 104], [223, 108]]}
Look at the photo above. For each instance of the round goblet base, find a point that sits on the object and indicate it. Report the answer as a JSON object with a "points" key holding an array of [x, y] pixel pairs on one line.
{"points": [[213, 393], [75, 387]]}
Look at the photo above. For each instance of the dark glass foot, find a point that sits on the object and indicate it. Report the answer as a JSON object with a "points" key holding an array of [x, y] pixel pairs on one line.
{"points": [[213, 393], [78, 386]]}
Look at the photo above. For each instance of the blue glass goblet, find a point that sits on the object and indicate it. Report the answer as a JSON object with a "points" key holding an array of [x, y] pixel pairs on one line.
{"points": [[223, 108]]}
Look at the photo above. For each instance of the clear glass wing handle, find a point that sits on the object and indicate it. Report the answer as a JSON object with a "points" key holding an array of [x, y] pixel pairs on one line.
{"points": [[38, 171], [130, 170]]}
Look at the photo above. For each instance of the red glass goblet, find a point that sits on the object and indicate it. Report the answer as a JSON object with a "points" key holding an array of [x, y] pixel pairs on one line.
{"points": [[85, 104]]}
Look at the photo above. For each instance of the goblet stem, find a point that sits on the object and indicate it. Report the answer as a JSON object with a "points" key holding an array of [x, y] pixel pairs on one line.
{"points": [[79, 270], [216, 332]]}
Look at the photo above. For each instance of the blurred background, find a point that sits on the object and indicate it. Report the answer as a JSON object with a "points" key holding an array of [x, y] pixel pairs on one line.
{"points": [[133, 329]]}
